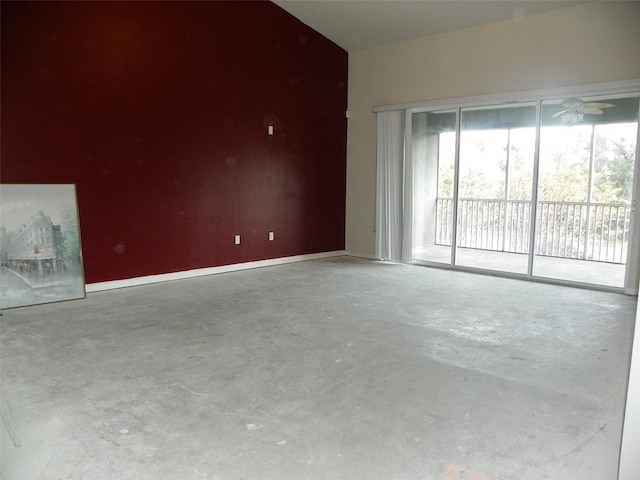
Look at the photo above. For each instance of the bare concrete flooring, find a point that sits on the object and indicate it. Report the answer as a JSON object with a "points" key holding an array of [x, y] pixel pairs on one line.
{"points": [[332, 369]]}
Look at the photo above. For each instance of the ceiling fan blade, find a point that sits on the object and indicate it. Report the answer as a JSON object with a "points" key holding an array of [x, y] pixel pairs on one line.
{"points": [[561, 112], [590, 110], [599, 105], [572, 103]]}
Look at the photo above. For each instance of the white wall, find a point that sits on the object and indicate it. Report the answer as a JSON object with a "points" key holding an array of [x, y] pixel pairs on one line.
{"points": [[629, 457], [588, 43]]}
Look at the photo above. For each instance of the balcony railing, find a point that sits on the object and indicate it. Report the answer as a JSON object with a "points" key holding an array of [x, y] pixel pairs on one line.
{"points": [[580, 230]]}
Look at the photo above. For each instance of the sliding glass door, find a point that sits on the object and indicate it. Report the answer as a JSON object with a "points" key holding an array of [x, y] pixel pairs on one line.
{"points": [[497, 147], [539, 189], [587, 160], [433, 174]]}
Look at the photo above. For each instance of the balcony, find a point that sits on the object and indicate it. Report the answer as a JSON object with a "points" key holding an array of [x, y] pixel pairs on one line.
{"points": [[578, 241], [596, 232]]}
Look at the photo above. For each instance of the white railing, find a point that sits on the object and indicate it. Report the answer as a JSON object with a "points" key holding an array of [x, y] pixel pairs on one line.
{"points": [[580, 230]]}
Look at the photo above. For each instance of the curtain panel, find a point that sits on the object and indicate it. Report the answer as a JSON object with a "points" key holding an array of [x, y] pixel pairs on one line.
{"points": [[393, 188]]}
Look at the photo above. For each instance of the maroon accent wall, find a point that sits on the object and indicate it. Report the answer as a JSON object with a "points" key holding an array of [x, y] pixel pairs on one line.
{"points": [[158, 112]]}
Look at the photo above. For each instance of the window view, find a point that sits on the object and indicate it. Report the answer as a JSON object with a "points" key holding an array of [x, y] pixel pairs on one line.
{"points": [[495, 187], [579, 227], [587, 159], [434, 149]]}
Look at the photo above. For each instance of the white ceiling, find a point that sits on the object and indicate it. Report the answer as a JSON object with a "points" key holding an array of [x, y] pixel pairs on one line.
{"points": [[358, 24]]}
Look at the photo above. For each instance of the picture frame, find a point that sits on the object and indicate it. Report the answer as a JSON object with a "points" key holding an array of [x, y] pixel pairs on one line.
{"points": [[40, 247]]}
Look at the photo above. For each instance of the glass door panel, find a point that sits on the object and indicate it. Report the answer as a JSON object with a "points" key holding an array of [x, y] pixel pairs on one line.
{"points": [[433, 157], [497, 147], [587, 160]]}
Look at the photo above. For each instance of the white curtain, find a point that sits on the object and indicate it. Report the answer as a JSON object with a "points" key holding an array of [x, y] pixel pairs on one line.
{"points": [[393, 188]]}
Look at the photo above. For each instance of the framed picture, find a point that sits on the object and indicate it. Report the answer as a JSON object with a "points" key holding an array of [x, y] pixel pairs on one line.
{"points": [[39, 245]]}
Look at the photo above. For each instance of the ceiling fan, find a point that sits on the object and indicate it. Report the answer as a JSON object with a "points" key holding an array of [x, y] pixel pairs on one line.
{"points": [[575, 108]]}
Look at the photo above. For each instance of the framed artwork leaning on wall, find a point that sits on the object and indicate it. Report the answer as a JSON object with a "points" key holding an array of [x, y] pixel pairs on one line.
{"points": [[40, 248]]}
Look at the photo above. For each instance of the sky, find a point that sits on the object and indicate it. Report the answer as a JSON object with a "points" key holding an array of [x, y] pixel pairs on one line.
{"points": [[19, 202]]}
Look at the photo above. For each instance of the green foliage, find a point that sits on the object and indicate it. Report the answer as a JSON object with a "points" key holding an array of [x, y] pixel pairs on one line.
{"points": [[520, 174], [613, 170], [565, 164], [565, 159]]}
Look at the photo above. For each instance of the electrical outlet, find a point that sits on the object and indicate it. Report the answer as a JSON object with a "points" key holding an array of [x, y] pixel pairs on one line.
{"points": [[237, 239], [271, 237]]}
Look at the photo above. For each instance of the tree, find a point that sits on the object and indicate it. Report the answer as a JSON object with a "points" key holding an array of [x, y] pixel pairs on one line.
{"points": [[613, 169], [564, 164]]}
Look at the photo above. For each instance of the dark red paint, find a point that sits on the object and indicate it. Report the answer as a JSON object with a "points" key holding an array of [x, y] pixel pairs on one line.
{"points": [[158, 112]]}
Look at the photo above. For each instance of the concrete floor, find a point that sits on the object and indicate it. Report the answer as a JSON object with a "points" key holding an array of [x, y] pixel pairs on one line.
{"points": [[332, 369]]}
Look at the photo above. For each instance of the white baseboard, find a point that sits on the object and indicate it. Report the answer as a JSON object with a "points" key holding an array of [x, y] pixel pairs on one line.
{"points": [[200, 272]]}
